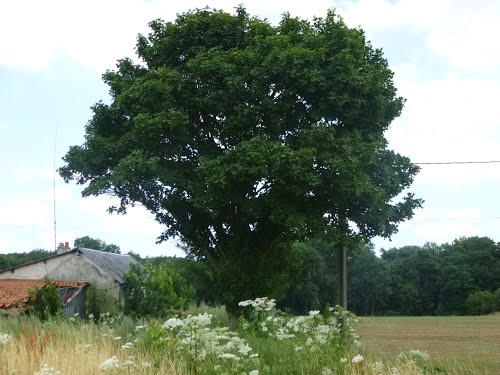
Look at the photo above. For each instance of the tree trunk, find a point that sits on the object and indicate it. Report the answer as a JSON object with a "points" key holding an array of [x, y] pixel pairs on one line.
{"points": [[342, 277]]}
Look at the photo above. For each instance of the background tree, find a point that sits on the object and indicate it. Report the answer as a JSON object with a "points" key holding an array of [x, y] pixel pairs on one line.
{"points": [[243, 138], [155, 289], [96, 244], [414, 279], [15, 259], [368, 282]]}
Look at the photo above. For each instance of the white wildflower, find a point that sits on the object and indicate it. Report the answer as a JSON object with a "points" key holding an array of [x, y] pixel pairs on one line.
{"points": [[378, 366], [109, 363], [326, 371], [127, 345], [298, 348], [117, 338], [127, 363], [5, 338], [394, 371], [254, 372], [245, 349], [343, 360], [358, 358], [139, 327], [173, 323], [313, 312], [229, 356]]}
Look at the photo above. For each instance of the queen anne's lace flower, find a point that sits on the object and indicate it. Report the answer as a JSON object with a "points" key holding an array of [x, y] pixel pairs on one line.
{"points": [[358, 358], [110, 363], [5, 338]]}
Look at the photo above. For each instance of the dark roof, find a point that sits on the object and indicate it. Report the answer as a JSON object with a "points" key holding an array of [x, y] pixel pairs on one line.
{"points": [[115, 265], [16, 292]]}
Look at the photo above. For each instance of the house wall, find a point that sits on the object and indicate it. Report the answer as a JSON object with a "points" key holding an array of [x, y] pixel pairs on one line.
{"points": [[36, 270], [70, 267]]}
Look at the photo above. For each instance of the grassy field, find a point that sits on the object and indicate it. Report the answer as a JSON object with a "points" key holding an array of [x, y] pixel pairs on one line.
{"points": [[456, 342]]}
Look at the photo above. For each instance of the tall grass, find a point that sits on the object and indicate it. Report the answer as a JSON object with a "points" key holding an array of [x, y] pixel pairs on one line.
{"points": [[76, 347], [72, 348]]}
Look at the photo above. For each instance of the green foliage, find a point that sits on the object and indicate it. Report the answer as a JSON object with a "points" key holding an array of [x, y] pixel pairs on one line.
{"points": [[195, 273], [45, 301], [155, 290], [96, 244], [15, 259], [243, 138], [98, 302], [411, 280], [480, 303]]}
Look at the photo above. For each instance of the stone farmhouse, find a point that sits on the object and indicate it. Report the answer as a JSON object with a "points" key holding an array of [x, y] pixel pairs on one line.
{"points": [[104, 270]]}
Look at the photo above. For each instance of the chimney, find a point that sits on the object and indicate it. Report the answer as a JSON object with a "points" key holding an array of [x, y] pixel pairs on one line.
{"points": [[62, 247]]}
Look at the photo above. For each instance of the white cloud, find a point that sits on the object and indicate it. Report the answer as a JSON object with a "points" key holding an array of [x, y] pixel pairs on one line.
{"points": [[26, 212], [137, 219], [463, 32], [97, 33], [448, 119], [63, 193], [26, 173]]}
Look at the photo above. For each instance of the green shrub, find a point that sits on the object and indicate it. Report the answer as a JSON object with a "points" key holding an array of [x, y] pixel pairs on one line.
{"points": [[480, 303], [45, 301], [99, 302]]}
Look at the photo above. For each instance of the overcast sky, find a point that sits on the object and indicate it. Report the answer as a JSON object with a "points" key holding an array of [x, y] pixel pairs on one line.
{"points": [[52, 54]]}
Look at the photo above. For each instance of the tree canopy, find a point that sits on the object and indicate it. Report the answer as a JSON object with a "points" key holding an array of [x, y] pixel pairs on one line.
{"points": [[243, 137], [96, 244]]}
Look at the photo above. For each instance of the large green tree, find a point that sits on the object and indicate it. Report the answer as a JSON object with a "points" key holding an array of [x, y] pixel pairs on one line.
{"points": [[243, 137]]}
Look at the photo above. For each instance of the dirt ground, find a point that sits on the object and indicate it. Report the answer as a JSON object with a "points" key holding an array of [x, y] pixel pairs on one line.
{"points": [[456, 342]]}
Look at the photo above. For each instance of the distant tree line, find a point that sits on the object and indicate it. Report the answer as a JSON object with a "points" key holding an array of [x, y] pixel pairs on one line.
{"points": [[15, 259], [461, 277]]}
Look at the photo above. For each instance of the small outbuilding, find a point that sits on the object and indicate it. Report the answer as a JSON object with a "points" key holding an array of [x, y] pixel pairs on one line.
{"points": [[106, 271]]}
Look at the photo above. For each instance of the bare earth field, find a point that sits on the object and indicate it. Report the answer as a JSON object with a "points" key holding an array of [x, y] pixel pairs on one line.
{"points": [[456, 342]]}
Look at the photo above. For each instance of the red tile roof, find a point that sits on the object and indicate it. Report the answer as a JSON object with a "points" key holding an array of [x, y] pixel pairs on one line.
{"points": [[15, 292]]}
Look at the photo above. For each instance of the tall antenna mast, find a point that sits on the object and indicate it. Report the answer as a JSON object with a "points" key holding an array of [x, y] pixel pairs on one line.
{"points": [[55, 222]]}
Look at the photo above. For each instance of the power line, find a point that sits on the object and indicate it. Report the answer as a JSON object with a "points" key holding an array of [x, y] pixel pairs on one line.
{"points": [[457, 218], [459, 162]]}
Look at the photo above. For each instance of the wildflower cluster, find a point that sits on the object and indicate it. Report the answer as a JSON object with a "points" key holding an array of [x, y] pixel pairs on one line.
{"points": [[308, 333], [197, 338], [115, 363], [259, 304]]}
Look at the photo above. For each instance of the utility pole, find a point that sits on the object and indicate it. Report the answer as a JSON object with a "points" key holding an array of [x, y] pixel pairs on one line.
{"points": [[342, 276]]}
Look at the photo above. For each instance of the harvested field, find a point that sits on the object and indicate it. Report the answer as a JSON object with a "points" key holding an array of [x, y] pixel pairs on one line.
{"points": [[456, 342]]}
